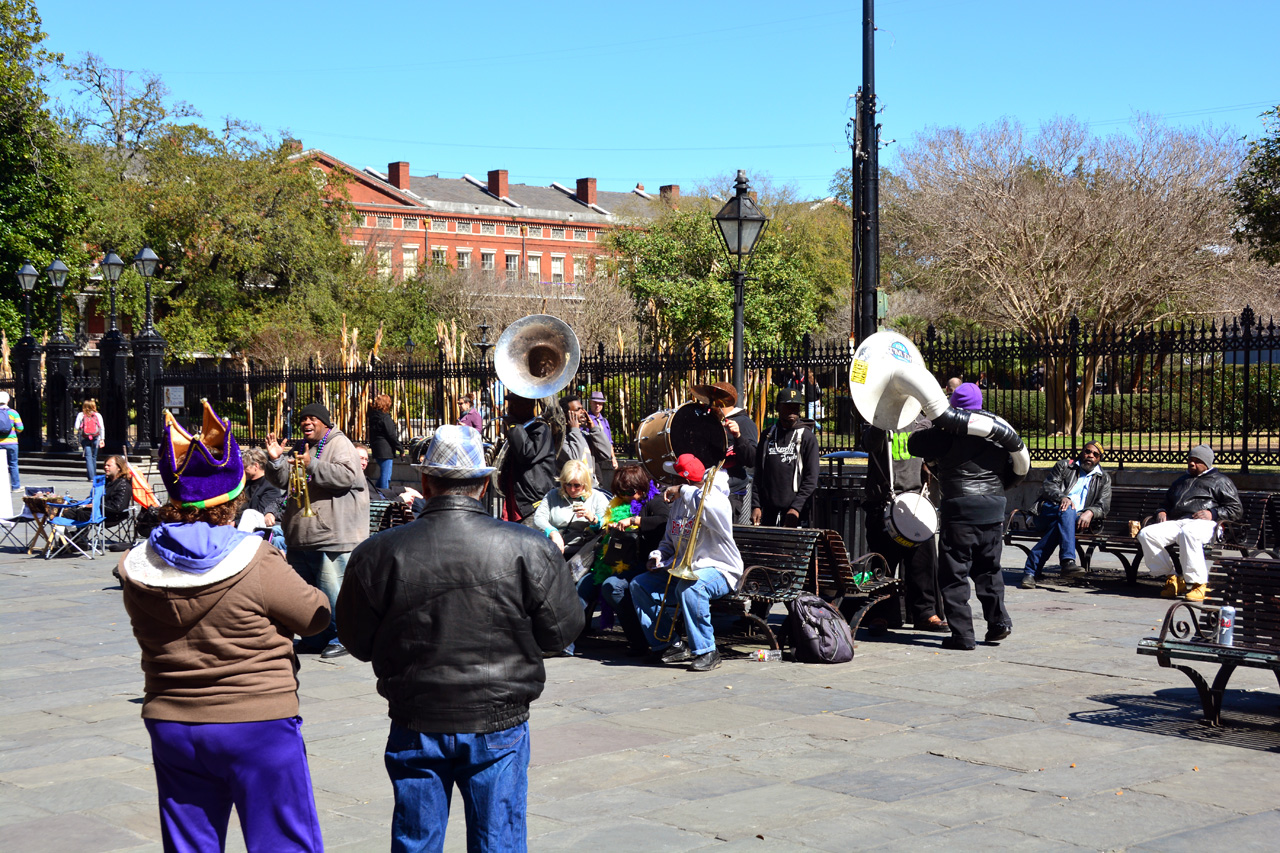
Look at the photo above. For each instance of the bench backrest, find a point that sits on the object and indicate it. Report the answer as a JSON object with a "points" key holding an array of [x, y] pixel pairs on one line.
{"points": [[1250, 528], [1130, 503], [1253, 588], [783, 548]]}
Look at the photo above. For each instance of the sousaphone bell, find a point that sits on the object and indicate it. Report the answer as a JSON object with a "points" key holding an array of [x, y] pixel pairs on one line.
{"points": [[537, 356]]}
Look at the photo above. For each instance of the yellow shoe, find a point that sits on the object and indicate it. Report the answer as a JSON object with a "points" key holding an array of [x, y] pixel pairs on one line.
{"points": [[1196, 592], [1174, 586]]}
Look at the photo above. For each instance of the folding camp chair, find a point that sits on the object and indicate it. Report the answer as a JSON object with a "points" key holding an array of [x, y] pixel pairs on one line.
{"points": [[120, 534], [16, 532], [85, 537]]}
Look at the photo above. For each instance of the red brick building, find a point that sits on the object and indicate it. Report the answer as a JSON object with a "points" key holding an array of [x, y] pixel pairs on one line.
{"points": [[547, 234]]}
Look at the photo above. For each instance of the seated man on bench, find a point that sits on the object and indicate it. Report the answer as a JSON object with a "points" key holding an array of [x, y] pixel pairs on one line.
{"points": [[1075, 493], [716, 561], [1193, 506]]}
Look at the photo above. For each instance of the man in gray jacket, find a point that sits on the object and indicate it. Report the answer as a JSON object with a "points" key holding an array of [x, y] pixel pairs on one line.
{"points": [[319, 544], [1076, 493], [1189, 517]]}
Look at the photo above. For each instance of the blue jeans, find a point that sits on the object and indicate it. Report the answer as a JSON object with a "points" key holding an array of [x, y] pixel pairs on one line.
{"points": [[492, 775], [324, 570], [384, 473], [90, 457], [695, 600], [15, 481], [1059, 529], [616, 590]]}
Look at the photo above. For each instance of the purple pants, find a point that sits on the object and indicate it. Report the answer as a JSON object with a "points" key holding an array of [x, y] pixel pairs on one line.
{"points": [[203, 769]]}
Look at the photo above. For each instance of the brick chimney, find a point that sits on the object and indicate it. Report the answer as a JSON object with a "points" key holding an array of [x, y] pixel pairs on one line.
{"points": [[498, 182], [398, 174], [293, 144], [670, 195], [587, 190]]}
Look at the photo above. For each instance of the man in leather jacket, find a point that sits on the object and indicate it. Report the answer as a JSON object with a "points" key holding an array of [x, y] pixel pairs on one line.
{"points": [[973, 474], [456, 611], [1192, 508], [1076, 493]]}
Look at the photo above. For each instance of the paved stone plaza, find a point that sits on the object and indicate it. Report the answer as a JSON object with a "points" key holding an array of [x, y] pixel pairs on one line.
{"points": [[1059, 738]]}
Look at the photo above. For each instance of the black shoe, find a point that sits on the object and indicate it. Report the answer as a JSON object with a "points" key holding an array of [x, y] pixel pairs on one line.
{"points": [[996, 633], [676, 652], [705, 663], [1028, 581], [956, 644], [1069, 569], [938, 627], [334, 650]]}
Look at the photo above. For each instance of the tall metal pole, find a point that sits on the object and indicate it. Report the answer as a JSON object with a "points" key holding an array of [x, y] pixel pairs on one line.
{"points": [[739, 286], [870, 233]]}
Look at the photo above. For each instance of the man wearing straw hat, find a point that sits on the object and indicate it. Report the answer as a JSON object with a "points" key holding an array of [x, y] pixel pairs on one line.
{"points": [[456, 611]]}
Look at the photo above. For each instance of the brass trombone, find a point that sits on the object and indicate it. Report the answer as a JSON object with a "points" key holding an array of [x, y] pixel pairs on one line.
{"points": [[298, 490], [682, 567]]}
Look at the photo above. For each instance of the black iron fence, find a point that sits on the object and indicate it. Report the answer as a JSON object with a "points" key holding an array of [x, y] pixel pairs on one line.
{"points": [[1146, 393]]}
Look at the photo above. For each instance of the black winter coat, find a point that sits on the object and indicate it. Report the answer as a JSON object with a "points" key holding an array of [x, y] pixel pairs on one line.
{"points": [[1212, 490], [455, 610], [384, 436]]}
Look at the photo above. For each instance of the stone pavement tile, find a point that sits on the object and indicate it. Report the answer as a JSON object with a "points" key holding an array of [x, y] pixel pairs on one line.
{"points": [[69, 833], [976, 726], [56, 750], [824, 758], [1101, 774], [1111, 820], [909, 777], [95, 712], [803, 699], [980, 838], [635, 699], [349, 780], [12, 811], [701, 784], [858, 828], [969, 681], [128, 662], [66, 797], [971, 804], [48, 774], [1240, 786], [627, 836], [1031, 750], [577, 740], [140, 818], [724, 715], [837, 726], [548, 714], [31, 721], [603, 807], [904, 713], [768, 810], [602, 772], [334, 689], [1258, 832]]}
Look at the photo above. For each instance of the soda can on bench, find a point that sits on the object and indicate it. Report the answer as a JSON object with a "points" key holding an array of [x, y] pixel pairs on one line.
{"points": [[1227, 626]]}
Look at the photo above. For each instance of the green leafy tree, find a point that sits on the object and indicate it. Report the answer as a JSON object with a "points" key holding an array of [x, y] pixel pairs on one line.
{"points": [[1256, 193], [40, 210]]}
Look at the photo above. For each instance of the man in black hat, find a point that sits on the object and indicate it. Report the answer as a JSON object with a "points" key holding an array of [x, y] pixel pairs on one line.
{"points": [[786, 467], [320, 543]]}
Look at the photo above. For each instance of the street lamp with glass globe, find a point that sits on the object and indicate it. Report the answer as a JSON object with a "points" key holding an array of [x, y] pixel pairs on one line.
{"points": [[741, 223]]}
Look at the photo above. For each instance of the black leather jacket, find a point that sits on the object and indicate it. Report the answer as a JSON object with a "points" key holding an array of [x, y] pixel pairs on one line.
{"points": [[1212, 490], [455, 611], [1063, 477], [973, 474]]}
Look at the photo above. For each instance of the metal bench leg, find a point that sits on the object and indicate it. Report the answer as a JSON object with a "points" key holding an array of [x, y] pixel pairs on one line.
{"points": [[1211, 697], [764, 624], [856, 618]]}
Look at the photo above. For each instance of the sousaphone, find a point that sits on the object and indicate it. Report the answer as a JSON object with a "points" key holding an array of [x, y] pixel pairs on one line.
{"points": [[537, 356]]}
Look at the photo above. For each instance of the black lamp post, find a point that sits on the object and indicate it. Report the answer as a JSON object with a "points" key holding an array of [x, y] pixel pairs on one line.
{"points": [[58, 356], [741, 223], [26, 361], [113, 358], [409, 345], [148, 359], [484, 345]]}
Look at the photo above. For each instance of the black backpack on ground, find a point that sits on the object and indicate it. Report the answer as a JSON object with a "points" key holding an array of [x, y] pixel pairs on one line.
{"points": [[818, 633]]}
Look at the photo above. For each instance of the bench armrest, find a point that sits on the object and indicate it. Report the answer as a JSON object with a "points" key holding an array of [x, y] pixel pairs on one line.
{"points": [[1186, 621]]}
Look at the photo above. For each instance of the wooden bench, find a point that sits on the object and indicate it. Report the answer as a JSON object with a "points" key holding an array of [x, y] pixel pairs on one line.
{"points": [[1190, 630], [777, 562], [855, 586]]}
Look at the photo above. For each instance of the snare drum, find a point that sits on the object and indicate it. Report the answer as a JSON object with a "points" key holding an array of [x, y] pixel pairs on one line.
{"points": [[911, 519], [690, 428]]}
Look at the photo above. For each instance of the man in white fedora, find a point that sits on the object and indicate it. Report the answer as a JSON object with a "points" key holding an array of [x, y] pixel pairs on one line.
{"points": [[456, 611]]}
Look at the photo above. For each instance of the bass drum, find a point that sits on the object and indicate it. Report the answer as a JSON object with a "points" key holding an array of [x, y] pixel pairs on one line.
{"points": [[690, 428], [911, 519]]}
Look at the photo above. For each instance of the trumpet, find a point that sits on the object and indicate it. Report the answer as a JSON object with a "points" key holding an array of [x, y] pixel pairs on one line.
{"points": [[298, 490], [682, 567]]}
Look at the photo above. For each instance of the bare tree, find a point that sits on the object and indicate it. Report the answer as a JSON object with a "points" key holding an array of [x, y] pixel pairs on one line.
{"points": [[1026, 230]]}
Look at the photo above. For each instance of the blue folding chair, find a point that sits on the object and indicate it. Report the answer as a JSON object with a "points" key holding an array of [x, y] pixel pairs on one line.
{"points": [[85, 537]]}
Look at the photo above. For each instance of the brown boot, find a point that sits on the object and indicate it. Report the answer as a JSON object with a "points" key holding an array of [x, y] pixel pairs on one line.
{"points": [[1196, 592], [1173, 587]]}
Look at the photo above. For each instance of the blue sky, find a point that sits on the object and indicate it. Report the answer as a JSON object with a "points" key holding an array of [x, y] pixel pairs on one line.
{"points": [[675, 92]]}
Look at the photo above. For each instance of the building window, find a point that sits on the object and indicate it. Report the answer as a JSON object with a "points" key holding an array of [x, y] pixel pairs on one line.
{"points": [[384, 260], [535, 268], [580, 269], [557, 233], [384, 222], [511, 230], [513, 266], [488, 228], [410, 223], [535, 231], [463, 227], [357, 252], [438, 258], [557, 269], [409, 255], [439, 225], [464, 259], [486, 261]]}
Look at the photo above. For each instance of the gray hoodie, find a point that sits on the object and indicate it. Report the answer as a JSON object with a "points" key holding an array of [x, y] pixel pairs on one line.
{"points": [[715, 546]]}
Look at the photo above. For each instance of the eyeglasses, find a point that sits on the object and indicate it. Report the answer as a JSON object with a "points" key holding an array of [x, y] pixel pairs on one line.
{"points": [[572, 485]]}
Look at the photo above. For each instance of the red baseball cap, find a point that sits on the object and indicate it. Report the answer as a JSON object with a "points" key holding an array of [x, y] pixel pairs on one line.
{"points": [[688, 466]]}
